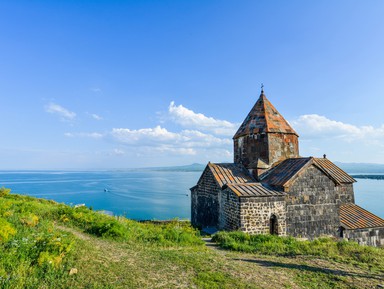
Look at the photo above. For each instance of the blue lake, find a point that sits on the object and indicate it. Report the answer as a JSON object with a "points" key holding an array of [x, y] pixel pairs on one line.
{"points": [[140, 194]]}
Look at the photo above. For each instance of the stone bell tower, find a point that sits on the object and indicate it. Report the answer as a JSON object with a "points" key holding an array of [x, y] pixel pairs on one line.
{"points": [[264, 138]]}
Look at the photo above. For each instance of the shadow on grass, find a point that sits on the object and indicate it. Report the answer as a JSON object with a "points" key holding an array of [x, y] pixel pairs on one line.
{"points": [[311, 269]]}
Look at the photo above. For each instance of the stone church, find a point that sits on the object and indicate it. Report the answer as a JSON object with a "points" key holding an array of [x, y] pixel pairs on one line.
{"points": [[271, 189]]}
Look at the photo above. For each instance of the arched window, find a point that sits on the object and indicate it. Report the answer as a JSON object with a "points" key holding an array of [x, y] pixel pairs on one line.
{"points": [[273, 227]]}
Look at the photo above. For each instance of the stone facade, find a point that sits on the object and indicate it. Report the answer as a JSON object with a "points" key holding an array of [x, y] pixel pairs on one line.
{"points": [[248, 149], [312, 205], [256, 213], [229, 218], [268, 147], [345, 193], [282, 146], [367, 236], [205, 201]]}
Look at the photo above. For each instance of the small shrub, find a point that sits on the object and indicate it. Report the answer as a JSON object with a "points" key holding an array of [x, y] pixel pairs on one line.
{"points": [[6, 231], [30, 220], [49, 259], [4, 192], [107, 229]]}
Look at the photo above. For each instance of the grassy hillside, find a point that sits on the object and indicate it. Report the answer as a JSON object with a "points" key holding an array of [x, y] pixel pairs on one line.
{"points": [[49, 245]]}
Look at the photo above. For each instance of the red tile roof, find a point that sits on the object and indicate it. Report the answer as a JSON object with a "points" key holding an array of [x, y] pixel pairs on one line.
{"points": [[285, 171], [333, 171], [253, 190], [264, 117], [229, 173], [354, 217]]}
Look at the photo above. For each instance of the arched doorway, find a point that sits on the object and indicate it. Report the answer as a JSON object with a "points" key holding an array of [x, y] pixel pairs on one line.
{"points": [[273, 226]]}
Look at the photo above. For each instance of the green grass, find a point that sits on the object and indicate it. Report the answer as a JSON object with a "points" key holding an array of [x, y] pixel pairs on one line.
{"points": [[41, 241], [328, 248]]}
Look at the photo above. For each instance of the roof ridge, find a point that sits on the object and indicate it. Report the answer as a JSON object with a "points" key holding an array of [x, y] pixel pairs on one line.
{"points": [[334, 172], [245, 184], [265, 113], [264, 118]]}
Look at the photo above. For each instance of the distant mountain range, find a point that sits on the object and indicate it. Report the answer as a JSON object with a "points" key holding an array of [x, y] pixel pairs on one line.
{"points": [[187, 168], [361, 168], [351, 168]]}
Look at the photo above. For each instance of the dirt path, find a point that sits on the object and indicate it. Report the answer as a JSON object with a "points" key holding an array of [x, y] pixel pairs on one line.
{"points": [[110, 251]]}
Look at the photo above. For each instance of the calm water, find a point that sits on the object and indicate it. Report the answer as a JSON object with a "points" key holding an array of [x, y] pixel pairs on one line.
{"points": [[136, 194], [140, 194], [369, 194]]}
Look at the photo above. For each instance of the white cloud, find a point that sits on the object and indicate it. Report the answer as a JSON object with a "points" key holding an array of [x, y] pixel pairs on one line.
{"points": [[64, 113], [96, 117], [188, 118], [158, 136], [317, 126], [340, 141], [94, 135], [145, 135], [202, 139]]}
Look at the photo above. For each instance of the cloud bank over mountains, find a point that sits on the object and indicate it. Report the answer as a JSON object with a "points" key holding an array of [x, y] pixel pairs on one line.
{"points": [[199, 135], [316, 126], [183, 136]]}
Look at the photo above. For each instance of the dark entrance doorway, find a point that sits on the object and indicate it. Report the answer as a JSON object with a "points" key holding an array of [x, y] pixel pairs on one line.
{"points": [[273, 228]]}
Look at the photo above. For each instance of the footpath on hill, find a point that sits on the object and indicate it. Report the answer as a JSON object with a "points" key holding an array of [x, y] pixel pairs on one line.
{"points": [[103, 263]]}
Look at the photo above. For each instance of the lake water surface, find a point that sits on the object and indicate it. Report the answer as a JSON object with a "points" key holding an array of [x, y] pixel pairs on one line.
{"points": [[140, 194]]}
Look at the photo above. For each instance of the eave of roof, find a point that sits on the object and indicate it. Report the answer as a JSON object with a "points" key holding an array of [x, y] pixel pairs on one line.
{"points": [[353, 216], [252, 190], [227, 173]]}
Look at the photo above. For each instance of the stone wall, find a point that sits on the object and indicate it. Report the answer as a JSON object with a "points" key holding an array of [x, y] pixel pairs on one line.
{"points": [[248, 149], [269, 147], [256, 213], [229, 218], [345, 193], [205, 201], [312, 205], [367, 236], [282, 147]]}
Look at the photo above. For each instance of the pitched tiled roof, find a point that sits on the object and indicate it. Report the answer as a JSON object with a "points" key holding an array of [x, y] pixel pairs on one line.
{"points": [[253, 190], [228, 173], [354, 217], [264, 117], [334, 171], [282, 173]]}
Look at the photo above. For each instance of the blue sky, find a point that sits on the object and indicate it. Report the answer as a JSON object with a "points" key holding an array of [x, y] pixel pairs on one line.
{"points": [[120, 84]]}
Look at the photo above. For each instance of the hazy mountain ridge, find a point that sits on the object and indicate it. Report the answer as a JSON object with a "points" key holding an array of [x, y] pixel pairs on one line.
{"points": [[358, 168], [187, 168], [351, 168]]}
